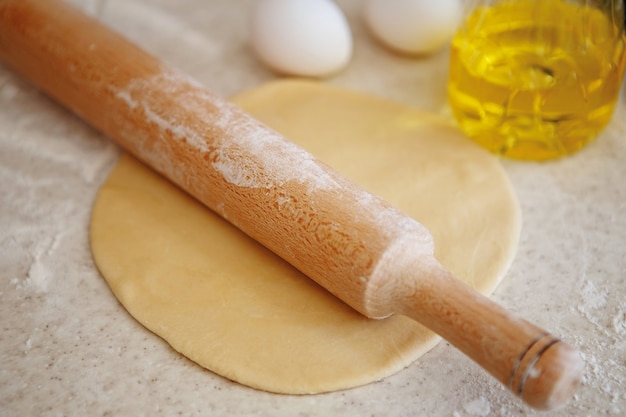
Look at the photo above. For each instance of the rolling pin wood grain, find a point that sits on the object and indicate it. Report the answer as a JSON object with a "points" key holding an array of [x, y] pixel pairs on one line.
{"points": [[354, 244]]}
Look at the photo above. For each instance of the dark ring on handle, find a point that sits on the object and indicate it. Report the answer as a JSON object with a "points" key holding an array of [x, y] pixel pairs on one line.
{"points": [[519, 360], [530, 366], [549, 341]]}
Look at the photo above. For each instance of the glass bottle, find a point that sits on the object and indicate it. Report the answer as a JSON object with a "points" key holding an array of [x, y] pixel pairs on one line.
{"points": [[537, 79]]}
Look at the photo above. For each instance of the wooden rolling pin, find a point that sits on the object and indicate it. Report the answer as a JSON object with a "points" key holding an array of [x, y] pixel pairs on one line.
{"points": [[356, 245]]}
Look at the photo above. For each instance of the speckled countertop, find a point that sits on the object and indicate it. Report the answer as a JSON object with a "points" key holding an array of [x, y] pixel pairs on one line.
{"points": [[67, 348]]}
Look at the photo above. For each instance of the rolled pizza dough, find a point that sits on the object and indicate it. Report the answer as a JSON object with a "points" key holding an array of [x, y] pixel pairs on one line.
{"points": [[230, 305]]}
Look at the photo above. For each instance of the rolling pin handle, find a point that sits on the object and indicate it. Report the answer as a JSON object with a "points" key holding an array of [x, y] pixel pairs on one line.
{"points": [[534, 365]]}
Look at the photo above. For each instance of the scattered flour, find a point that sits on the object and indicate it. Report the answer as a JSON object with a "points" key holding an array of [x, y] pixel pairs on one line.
{"points": [[605, 354], [592, 297], [28, 345], [478, 407], [619, 320], [38, 277]]}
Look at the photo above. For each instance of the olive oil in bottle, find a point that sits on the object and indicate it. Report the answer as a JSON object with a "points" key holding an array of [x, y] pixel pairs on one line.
{"points": [[539, 79]]}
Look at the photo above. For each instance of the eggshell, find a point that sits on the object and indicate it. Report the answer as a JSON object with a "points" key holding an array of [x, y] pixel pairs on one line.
{"points": [[413, 26], [301, 37]]}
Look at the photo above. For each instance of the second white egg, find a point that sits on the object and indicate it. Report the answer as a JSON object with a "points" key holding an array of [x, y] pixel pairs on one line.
{"points": [[413, 26]]}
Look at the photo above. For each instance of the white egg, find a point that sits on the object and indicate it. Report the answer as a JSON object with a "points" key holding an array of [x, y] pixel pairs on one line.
{"points": [[413, 26], [301, 37]]}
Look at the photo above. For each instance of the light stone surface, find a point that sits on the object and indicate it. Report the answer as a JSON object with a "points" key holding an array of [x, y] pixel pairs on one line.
{"points": [[68, 348]]}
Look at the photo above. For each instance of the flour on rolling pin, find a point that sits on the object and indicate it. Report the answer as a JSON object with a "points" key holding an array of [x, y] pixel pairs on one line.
{"points": [[270, 149]]}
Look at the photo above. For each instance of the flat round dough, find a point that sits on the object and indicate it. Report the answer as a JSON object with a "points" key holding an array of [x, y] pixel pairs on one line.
{"points": [[235, 308]]}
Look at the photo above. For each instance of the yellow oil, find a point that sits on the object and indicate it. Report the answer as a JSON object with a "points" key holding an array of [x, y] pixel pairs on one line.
{"points": [[536, 80]]}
